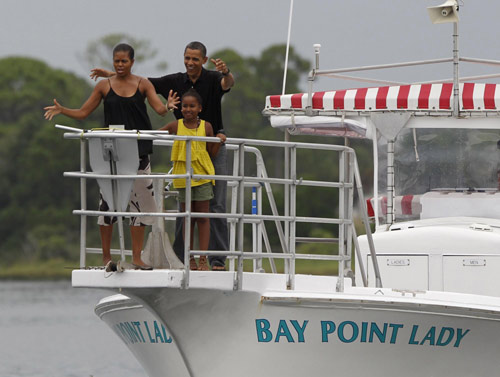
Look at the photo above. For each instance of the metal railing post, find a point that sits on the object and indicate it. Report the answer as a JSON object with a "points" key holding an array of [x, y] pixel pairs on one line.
{"points": [[341, 229], [390, 182], [368, 231], [349, 213], [83, 203], [187, 219], [456, 87], [286, 192], [293, 214], [260, 224], [241, 210], [234, 209]]}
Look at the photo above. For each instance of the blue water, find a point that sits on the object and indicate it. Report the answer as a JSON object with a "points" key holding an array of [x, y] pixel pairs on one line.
{"points": [[50, 329]]}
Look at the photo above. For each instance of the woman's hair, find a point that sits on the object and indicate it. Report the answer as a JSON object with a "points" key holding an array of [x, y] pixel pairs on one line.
{"points": [[192, 93], [123, 47]]}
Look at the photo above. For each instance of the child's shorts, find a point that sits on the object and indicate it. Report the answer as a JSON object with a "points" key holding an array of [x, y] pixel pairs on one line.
{"points": [[198, 193]]}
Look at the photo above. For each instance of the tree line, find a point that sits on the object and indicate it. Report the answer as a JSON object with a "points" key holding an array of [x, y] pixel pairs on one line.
{"points": [[36, 201]]}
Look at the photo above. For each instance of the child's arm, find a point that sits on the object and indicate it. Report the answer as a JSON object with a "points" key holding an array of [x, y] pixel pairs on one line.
{"points": [[213, 148], [170, 127]]}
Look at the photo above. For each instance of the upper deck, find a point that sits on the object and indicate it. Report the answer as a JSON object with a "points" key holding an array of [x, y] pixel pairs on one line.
{"points": [[253, 246]]}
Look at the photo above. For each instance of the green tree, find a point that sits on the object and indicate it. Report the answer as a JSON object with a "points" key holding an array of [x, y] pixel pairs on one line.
{"points": [[256, 78], [36, 201], [99, 51]]}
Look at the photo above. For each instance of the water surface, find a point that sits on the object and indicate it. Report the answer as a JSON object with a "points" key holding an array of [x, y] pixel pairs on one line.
{"points": [[50, 329]]}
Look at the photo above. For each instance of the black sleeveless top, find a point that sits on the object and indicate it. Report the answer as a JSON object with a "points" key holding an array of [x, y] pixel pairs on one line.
{"points": [[130, 112]]}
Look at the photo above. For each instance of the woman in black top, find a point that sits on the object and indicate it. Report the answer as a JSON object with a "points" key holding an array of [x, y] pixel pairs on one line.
{"points": [[123, 96]]}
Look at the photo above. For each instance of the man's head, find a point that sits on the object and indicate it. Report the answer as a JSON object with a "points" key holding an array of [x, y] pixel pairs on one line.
{"points": [[197, 46], [195, 55]]}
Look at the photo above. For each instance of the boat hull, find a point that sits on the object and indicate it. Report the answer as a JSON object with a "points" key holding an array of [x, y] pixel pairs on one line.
{"points": [[216, 332], [143, 334]]}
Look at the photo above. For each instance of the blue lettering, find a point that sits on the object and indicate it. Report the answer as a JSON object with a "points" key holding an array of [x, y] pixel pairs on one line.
{"points": [[283, 330], [395, 328], [129, 332], [374, 329], [327, 327], [355, 331], [151, 340], [263, 333], [135, 333], [430, 336], [413, 333], [300, 330], [440, 341], [121, 333], [168, 339], [158, 333], [460, 336], [364, 330], [137, 325]]}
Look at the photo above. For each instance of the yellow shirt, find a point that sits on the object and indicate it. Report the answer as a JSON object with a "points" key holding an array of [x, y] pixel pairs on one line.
{"points": [[200, 159]]}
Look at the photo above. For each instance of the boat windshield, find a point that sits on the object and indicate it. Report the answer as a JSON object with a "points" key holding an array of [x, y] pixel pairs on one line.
{"points": [[432, 162]]}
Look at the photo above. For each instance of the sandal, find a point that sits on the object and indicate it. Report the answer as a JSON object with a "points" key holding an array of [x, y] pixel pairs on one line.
{"points": [[217, 267], [192, 264], [110, 266], [144, 267], [203, 263]]}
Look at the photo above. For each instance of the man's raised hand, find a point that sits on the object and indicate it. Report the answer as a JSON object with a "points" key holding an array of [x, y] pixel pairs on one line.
{"points": [[220, 66]]}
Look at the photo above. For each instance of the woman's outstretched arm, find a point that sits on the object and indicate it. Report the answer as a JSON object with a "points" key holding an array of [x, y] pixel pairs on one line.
{"points": [[87, 108]]}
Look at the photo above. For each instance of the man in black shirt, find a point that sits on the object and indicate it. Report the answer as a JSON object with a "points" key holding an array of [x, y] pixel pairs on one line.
{"points": [[211, 85]]}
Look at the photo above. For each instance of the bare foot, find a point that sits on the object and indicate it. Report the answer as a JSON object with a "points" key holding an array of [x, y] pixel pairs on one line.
{"points": [[203, 264], [192, 264], [140, 265]]}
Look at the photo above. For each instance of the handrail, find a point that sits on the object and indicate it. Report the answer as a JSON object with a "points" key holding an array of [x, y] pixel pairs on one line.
{"points": [[349, 180]]}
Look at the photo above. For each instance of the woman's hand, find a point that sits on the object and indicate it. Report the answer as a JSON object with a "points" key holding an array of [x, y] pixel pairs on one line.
{"points": [[172, 101], [52, 111], [100, 72]]}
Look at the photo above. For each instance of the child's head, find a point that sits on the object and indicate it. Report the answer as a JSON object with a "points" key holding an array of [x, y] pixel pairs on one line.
{"points": [[191, 104]]}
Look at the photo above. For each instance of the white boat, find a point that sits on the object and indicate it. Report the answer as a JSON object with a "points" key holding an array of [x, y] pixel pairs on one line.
{"points": [[424, 299]]}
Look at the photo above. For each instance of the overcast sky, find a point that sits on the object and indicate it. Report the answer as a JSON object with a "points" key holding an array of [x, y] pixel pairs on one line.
{"points": [[352, 32]]}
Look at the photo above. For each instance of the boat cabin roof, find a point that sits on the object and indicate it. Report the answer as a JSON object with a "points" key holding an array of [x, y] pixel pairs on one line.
{"points": [[416, 98], [351, 112]]}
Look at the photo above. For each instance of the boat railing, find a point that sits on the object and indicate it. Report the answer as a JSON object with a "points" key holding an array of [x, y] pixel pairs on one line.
{"points": [[239, 183], [341, 73]]}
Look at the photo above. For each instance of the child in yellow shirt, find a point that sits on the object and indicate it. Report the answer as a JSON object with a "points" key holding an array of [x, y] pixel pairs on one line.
{"points": [[201, 189]]}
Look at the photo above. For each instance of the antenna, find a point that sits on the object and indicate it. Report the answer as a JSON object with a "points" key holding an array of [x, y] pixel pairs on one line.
{"points": [[317, 47], [445, 13], [287, 46]]}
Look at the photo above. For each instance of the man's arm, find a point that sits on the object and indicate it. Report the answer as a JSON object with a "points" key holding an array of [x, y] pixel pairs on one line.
{"points": [[227, 81], [100, 72], [212, 147]]}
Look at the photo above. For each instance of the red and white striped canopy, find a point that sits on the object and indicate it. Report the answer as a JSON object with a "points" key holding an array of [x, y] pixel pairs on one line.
{"points": [[406, 205], [419, 97]]}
